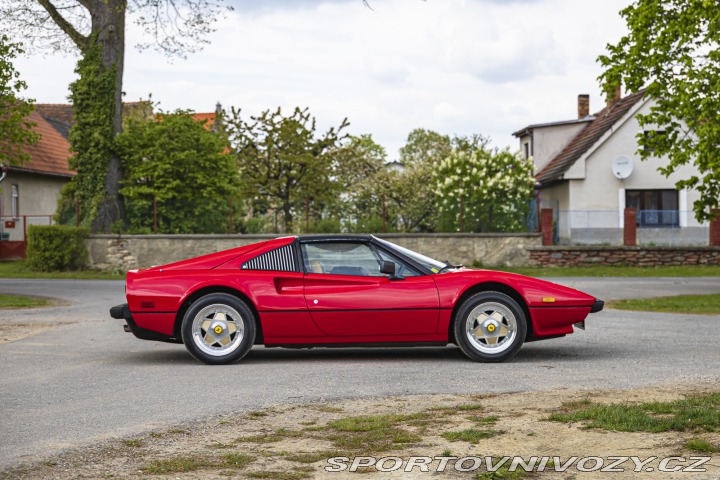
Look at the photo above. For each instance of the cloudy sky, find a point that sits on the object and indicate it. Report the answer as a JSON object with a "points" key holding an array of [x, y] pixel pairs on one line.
{"points": [[454, 66]]}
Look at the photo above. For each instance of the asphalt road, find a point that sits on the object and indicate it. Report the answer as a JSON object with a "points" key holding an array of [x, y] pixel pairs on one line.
{"points": [[86, 380]]}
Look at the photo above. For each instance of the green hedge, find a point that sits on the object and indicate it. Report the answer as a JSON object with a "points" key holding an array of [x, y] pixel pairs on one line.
{"points": [[56, 248]]}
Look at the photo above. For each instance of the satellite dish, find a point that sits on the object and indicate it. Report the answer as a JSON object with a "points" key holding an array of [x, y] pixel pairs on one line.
{"points": [[622, 167]]}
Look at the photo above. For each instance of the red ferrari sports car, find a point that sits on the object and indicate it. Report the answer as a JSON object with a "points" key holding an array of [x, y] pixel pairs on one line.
{"points": [[342, 290]]}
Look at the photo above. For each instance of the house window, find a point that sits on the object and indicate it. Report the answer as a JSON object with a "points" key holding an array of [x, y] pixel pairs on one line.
{"points": [[655, 208], [526, 150], [15, 200]]}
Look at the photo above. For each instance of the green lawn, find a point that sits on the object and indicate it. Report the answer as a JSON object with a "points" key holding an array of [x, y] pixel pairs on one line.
{"points": [[18, 269], [695, 413], [702, 304], [19, 301], [614, 271]]}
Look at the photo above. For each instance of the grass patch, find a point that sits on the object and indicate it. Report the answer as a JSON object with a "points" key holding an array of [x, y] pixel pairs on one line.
{"points": [[132, 442], [694, 304], [276, 436], [313, 428], [469, 407], [484, 420], [701, 446], [237, 460], [218, 445], [613, 271], [19, 269], [503, 474], [695, 413], [377, 433], [21, 301], [191, 464], [176, 465], [257, 414], [471, 435]]}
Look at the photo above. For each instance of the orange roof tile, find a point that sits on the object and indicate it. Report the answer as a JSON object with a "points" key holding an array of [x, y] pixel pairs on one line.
{"points": [[207, 118], [50, 155]]}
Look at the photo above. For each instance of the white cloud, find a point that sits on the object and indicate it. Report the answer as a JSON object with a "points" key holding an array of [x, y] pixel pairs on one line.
{"points": [[455, 66]]}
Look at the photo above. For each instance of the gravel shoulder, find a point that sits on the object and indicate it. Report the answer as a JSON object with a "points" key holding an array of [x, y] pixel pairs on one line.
{"points": [[293, 440]]}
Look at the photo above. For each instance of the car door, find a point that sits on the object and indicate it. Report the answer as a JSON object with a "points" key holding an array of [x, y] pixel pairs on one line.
{"points": [[348, 296]]}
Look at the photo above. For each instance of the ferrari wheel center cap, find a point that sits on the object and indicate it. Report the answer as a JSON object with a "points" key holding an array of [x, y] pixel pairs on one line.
{"points": [[218, 329], [491, 328]]}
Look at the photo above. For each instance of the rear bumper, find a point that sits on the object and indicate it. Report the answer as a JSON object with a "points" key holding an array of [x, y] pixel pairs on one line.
{"points": [[122, 312], [597, 306]]}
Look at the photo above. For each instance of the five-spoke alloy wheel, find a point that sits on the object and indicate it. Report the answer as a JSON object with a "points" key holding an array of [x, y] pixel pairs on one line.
{"points": [[218, 328], [490, 327]]}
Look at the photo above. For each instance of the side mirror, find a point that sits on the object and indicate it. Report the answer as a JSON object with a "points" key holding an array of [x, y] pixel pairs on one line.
{"points": [[387, 268]]}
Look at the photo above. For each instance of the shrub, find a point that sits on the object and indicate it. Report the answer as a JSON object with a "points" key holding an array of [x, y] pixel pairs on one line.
{"points": [[326, 225], [56, 248]]}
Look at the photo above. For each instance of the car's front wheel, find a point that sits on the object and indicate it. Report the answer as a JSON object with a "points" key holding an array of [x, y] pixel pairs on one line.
{"points": [[490, 327], [218, 329]]}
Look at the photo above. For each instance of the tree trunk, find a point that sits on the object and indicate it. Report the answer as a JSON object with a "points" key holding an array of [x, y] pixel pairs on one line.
{"points": [[108, 23], [287, 215]]}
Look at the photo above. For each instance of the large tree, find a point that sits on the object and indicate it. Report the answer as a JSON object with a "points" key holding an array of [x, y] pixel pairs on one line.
{"points": [[15, 128], [182, 165], [282, 160], [96, 28], [673, 51]]}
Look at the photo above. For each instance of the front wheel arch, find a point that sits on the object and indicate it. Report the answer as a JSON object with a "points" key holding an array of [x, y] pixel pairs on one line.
{"points": [[177, 329], [490, 287]]}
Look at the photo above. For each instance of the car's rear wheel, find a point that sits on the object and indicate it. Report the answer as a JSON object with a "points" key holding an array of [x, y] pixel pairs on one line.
{"points": [[490, 327], [218, 329]]}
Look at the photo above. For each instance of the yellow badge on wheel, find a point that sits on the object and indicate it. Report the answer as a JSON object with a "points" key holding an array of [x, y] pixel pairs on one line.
{"points": [[491, 328], [218, 329]]}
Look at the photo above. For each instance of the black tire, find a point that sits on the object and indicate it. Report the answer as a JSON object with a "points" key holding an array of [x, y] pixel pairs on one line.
{"points": [[480, 323], [218, 329]]}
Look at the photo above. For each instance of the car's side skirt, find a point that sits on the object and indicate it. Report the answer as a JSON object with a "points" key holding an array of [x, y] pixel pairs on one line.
{"points": [[399, 340]]}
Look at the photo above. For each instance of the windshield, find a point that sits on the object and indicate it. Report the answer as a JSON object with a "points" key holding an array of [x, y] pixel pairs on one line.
{"points": [[429, 263]]}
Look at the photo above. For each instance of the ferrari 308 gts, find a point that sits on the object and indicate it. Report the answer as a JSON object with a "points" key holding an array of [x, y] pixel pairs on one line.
{"points": [[342, 290]]}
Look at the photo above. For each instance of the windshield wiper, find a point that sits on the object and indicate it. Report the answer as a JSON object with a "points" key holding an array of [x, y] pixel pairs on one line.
{"points": [[448, 266]]}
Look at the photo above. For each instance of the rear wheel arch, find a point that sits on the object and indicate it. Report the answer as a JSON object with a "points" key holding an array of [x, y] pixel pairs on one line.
{"points": [[489, 287], [259, 339]]}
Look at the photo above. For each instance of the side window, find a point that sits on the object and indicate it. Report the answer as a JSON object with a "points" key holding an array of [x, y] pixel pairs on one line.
{"points": [[341, 258]]}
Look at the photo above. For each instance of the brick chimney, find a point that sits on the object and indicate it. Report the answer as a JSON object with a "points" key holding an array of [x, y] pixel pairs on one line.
{"points": [[615, 97], [583, 105]]}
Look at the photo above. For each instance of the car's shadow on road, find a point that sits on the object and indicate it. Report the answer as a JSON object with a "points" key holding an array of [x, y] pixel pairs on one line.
{"points": [[531, 353]]}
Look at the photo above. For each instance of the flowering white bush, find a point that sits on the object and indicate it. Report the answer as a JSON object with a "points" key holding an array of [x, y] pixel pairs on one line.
{"points": [[483, 190]]}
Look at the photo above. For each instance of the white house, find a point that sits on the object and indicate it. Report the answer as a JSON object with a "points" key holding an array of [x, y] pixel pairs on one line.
{"points": [[589, 171], [29, 193]]}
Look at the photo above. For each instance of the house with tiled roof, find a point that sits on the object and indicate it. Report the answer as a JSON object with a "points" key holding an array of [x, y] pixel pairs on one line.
{"points": [[30, 192], [588, 171]]}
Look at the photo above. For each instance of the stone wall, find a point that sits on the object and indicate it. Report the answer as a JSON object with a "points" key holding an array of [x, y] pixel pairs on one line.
{"points": [[123, 252], [634, 256]]}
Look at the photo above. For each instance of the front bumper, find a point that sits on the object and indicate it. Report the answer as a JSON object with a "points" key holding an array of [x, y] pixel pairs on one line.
{"points": [[122, 312], [597, 306]]}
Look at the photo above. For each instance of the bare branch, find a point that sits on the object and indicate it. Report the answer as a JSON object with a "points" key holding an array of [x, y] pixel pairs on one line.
{"points": [[79, 39]]}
